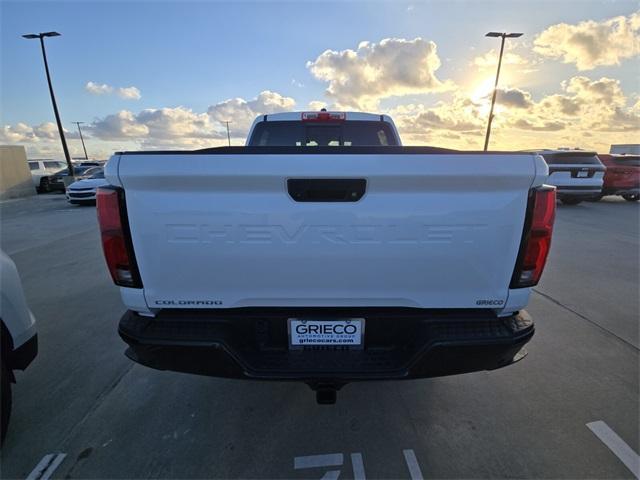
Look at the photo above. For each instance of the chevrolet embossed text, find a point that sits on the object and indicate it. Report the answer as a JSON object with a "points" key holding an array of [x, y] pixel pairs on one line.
{"points": [[337, 234]]}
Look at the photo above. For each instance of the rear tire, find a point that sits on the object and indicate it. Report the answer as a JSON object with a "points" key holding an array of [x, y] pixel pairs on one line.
{"points": [[6, 402], [45, 187], [632, 197], [570, 201]]}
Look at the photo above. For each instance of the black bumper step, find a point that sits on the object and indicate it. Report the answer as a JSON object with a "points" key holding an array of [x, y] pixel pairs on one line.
{"points": [[253, 343]]}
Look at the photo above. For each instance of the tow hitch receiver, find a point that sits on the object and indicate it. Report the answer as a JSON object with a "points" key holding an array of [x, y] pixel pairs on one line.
{"points": [[326, 393]]}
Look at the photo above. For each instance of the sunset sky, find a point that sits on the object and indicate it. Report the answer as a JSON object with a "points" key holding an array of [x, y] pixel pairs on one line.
{"points": [[165, 74]]}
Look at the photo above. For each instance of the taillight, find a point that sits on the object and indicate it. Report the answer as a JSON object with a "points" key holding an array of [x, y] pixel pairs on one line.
{"points": [[116, 239], [536, 238], [323, 116]]}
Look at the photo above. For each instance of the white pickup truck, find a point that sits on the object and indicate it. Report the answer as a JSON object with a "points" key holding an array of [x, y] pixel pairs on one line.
{"points": [[323, 251]]}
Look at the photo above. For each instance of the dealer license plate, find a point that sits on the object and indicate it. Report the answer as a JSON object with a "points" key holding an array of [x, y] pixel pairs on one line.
{"points": [[583, 174], [338, 333]]}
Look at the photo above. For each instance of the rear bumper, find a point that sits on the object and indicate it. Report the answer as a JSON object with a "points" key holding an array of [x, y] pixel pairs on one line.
{"points": [[578, 191], [399, 343]]}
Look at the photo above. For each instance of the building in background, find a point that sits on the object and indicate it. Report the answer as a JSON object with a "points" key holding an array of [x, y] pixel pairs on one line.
{"points": [[15, 177]]}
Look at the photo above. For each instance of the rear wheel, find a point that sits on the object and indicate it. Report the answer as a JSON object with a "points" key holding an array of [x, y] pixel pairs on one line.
{"points": [[6, 402], [632, 197], [570, 201], [45, 187]]}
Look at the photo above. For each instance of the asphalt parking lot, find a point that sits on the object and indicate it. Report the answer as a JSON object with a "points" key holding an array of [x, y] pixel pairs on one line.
{"points": [[112, 419]]}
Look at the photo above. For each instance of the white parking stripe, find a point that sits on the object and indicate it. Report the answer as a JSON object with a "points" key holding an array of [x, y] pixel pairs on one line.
{"points": [[618, 446], [358, 466], [41, 467], [313, 461], [46, 466], [52, 468], [412, 464]]}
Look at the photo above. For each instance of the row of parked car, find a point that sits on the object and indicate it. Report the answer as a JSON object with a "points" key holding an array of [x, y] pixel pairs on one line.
{"points": [[580, 175], [48, 175]]}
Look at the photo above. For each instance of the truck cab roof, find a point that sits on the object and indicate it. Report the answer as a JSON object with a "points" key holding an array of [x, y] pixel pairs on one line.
{"points": [[289, 116]]}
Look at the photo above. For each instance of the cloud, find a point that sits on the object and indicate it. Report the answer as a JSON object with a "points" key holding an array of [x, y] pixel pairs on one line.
{"points": [[98, 88], [393, 67], [552, 126], [590, 44], [605, 91], [166, 124], [420, 123], [241, 113], [584, 105], [513, 97], [315, 105], [179, 122], [562, 104], [21, 133], [181, 127], [589, 112], [585, 110], [489, 61], [118, 126], [128, 93]]}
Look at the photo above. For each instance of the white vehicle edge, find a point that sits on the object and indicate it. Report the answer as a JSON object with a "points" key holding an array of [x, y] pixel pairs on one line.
{"points": [[19, 337]]}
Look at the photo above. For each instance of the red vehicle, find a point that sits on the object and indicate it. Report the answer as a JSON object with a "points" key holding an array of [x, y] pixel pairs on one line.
{"points": [[622, 176]]}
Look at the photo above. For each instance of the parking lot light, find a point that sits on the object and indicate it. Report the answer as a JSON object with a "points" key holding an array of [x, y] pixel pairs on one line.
{"points": [[502, 36], [86, 157], [41, 36]]}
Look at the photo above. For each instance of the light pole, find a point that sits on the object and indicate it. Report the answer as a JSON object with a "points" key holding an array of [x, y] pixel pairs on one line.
{"points": [[86, 157], [503, 36], [41, 36], [228, 134]]}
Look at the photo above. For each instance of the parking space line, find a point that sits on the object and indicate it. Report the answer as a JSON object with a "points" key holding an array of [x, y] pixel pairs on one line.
{"points": [[46, 466], [314, 461], [358, 466], [412, 464], [618, 446]]}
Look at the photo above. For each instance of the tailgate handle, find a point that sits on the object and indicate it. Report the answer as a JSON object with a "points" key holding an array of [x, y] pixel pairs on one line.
{"points": [[326, 189]]}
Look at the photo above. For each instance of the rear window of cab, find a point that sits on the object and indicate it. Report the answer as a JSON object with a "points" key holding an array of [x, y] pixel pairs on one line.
{"points": [[296, 133]]}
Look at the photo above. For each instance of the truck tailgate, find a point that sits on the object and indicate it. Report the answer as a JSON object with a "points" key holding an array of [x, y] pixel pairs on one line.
{"points": [[222, 230]]}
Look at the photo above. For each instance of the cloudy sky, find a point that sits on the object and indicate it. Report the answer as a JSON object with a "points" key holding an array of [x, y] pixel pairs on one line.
{"points": [[160, 74]]}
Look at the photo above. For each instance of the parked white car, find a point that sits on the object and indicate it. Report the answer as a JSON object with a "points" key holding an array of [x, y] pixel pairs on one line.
{"points": [[45, 167], [19, 339], [84, 191]]}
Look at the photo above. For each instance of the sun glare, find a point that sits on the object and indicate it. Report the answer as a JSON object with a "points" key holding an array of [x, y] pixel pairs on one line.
{"points": [[481, 94]]}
